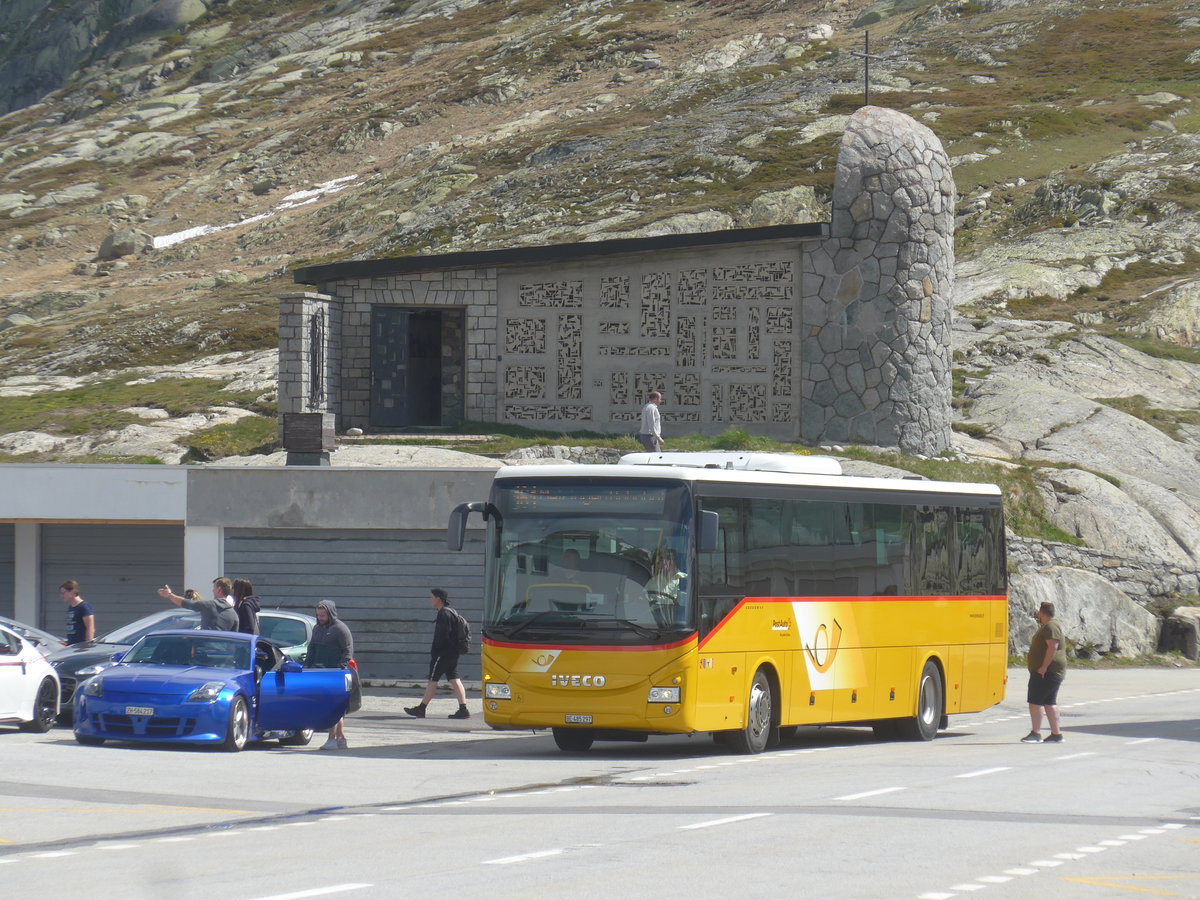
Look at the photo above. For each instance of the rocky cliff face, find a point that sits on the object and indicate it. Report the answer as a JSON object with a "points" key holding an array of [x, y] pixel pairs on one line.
{"points": [[164, 165]]}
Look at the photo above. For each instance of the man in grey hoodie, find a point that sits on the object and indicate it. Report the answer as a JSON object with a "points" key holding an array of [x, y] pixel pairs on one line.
{"points": [[330, 647]]}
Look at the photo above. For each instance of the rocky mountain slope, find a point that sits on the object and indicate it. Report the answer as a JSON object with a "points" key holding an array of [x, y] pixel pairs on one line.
{"points": [[166, 164]]}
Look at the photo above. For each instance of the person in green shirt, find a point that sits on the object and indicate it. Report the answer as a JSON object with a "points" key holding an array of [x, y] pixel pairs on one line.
{"points": [[1047, 668]]}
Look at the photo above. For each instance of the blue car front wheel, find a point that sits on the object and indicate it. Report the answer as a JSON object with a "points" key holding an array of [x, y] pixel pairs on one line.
{"points": [[238, 731]]}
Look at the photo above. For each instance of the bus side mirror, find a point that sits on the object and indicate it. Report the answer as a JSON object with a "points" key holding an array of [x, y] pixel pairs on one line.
{"points": [[710, 528], [457, 529]]}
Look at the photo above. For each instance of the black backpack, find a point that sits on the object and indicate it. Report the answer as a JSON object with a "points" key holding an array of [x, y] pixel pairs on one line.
{"points": [[462, 632]]}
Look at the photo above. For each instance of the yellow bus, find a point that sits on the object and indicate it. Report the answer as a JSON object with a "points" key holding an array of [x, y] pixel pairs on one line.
{"points": [[738, 594]]}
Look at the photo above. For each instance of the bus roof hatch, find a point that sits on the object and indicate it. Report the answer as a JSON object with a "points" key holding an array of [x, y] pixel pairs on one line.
{"points": [[748, 462]]}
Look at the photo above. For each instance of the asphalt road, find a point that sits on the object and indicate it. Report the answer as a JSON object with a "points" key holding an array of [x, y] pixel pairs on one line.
{"points": [[440, 808]]}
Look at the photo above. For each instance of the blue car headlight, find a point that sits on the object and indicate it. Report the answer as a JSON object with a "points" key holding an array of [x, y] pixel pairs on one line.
{"points": [[206, 693], [93, 687], [88, 671]]}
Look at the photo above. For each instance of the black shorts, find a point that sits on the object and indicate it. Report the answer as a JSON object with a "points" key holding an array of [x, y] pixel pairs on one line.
{"points": [[444, 666], [1043, 689]]}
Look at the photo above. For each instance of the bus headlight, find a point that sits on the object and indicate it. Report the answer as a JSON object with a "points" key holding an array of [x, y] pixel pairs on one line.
{"points": [[663, 695], [494, 691]]}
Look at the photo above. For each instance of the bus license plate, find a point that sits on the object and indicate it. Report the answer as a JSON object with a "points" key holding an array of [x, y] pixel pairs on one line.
{"points": [[578, 720], [139, 710]]}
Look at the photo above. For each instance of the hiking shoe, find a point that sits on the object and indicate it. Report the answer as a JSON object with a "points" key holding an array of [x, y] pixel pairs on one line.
{"points": [[417, 712], [330, 744], [460, 713], [341, 744], [1032, 738], [1053, 739]]}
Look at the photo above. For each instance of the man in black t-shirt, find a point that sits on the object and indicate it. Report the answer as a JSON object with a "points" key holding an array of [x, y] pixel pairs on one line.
{"points": [[443, 661]]}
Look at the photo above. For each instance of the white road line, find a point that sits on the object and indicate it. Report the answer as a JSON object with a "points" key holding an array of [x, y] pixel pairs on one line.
{"points": [[1132, 837], [1111, 843], [116, 846], [968, 886], [995, 879], [52, 854], [1046, 863], [181, 839], [1076, 755], [1174, 825], [524, 857], [984, 772], [1150, 831], [726, 821], [1070, 856], [934, 895], [299, 824], [1020, 871], [317, 892], [1090, 849], [1140, 741], [874, 793]]}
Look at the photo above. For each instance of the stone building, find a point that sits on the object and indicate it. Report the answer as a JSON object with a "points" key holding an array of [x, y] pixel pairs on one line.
{"points": [[821, 332]]}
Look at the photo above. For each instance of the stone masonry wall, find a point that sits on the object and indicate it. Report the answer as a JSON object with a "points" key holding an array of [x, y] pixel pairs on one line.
{"points": [[877, 368], [1139, 578]]}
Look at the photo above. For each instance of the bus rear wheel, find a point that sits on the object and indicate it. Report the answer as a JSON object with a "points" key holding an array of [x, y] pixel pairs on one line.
{"points": [[756, 736], [930, 700], [573, 740]]}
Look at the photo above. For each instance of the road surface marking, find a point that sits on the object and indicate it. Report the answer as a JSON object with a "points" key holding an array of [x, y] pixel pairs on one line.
{"points": [[1140, 741], [52, 854], [968, 886], [1076, 755], [995, 879], [874, 793], [1020, 871], [983, 772], [725, 821], [318, 892], [1046, 863], [524, 857], [1132, 837], [1091, 849]]}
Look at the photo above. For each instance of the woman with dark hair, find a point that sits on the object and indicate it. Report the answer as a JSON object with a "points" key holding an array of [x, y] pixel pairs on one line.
{"points": [[247, 606]]}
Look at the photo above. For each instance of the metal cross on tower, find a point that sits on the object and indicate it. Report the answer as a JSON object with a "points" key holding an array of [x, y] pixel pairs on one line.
{"points": [[866, 55]]}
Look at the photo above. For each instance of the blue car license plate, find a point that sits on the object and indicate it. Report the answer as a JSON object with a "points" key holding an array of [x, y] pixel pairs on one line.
{"points": [[139, 710]]}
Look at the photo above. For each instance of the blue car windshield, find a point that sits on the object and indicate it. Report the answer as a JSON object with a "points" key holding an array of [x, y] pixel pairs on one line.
{"points": [[189, 650]]}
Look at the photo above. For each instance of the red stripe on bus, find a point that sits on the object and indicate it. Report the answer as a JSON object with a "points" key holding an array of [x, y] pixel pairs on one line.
{"points": [[621, 648], [879, 598]]}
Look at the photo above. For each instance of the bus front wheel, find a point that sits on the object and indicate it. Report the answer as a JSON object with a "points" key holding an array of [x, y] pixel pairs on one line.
{"points": [[574, 740], [930, 699], [755, 737]]}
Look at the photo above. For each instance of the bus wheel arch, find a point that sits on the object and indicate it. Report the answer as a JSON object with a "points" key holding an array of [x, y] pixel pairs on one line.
{"points": [[930, 710]]}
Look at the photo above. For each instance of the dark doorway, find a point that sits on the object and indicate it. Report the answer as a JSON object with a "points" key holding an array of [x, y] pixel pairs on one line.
{"points": [[406, 367]]}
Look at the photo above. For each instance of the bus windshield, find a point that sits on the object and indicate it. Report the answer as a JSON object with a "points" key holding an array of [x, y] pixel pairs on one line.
{"points": [[589, 562]]}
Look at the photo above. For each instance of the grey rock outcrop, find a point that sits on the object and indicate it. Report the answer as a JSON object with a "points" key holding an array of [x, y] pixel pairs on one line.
{"points": [[124, 242], [1095, 616], [882, 284]]}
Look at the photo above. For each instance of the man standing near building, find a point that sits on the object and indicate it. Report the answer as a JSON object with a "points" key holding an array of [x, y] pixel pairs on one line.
{"points": [[81, 621], [444, 657], [215, 614], [1047, 668], [651, 432]]}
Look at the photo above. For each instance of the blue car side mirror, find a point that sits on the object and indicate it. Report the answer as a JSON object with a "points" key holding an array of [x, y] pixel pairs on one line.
{"points": [[290, 665], [117, 657]]}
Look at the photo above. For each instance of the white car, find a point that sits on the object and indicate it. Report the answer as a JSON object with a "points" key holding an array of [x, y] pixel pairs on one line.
{"points": [[28, 684]]}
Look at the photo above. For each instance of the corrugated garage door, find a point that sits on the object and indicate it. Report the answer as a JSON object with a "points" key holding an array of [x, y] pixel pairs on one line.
{"points": [[7, 602], [118, 567], [380, 580]]}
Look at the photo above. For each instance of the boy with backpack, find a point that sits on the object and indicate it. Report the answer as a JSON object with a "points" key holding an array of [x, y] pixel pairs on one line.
{"points": [[451, 638]]}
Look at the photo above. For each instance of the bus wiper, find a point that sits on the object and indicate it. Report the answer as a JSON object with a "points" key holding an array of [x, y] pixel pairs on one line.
{"points": [[637, 627], [521, 626]]}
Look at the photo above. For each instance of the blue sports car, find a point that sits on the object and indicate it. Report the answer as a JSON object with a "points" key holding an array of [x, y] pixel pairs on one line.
{"points": [[209, 687]]}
